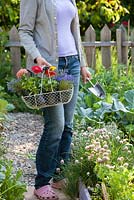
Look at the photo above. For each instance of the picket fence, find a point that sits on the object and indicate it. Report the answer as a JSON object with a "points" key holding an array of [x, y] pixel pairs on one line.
{"points": [[122, 43]]}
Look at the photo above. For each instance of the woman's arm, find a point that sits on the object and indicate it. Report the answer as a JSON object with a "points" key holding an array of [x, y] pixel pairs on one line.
{"points": [[28, 13]]}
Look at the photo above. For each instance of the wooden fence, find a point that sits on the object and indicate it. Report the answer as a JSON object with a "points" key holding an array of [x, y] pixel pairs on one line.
{"points": [[90, 44]]}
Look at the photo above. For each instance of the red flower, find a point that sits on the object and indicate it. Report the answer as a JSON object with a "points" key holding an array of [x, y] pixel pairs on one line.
{"points": [[37, 69], [125, 23], [50, 73], [111, 25]]}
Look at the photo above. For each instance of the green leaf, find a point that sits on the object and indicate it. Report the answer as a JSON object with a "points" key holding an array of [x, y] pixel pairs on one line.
{"points": [[129, 97], [117, 105], [3, 105], [105, 108]]}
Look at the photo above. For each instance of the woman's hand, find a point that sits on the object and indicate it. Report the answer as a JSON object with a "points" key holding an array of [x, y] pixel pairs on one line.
{"points": [[86, 75], [42, 62], [21, 72]]}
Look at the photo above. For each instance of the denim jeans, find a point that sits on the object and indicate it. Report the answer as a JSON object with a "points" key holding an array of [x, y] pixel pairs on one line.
{"points": [[58, 128]]}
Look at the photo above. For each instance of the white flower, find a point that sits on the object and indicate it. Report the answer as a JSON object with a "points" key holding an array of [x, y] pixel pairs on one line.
{"points": [[89, 128], [125, 148], [118, 138], [72, 144], [76, 161], [87, 147], [58, 170], [84, 134], [62, 161], [126, 165], [108, 151], [105, 158], [99, 160], [102, 150], [88, 173], [105, 146], [120, 159], [106, 154], [110, 166]]}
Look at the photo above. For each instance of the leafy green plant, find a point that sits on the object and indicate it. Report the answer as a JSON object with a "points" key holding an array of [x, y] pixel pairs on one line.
{"points": [[4, 108], [11, 187], [99, 156], [49, 85], [117, 106], [100, 12], [27, 85], [64, 85]]}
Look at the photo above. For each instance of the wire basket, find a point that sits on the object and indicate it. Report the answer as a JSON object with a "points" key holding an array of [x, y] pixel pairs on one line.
{"points": [[43, 100]]}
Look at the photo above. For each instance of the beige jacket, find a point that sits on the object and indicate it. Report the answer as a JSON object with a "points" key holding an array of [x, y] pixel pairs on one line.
{"points": [[38, 31]]}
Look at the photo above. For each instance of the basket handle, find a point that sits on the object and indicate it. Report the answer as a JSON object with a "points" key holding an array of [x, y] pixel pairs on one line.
{"points": [[42, 75]]}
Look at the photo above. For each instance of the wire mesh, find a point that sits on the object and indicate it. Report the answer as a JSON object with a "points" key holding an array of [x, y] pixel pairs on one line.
{"points": [[42, 100]]}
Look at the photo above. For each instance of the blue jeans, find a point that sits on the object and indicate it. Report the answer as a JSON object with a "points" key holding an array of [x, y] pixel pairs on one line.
{"points": [[58, 128]]}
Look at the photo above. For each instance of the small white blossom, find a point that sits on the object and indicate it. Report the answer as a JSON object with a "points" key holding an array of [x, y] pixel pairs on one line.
{"points": [[105, 146], [99, 160], [88, 173], [110, 166], [72, 144], [118, 138], [62, 161], [89, 128], [102, 150], [120, 159], [126, 165], [125, 148], [57, 170], [105, 158], [76, 161], [106, 154]]}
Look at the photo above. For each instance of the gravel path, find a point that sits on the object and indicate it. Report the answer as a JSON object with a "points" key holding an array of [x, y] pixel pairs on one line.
{"points": [[22, 133]]}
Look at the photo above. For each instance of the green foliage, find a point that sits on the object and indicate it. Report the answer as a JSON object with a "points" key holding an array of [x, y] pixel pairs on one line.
{"points": [[2, 147], [101, 156], [99, 13], [121, 183], [5, 63], [49, 85], [10, 186], [9, 13], [64, 85], [4, 108], [92, 12], [36, 85], [129, 4], [117, 106]]}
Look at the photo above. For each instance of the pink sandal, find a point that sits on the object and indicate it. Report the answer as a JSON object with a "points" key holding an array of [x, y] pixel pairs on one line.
{"points": [[45, 193]]}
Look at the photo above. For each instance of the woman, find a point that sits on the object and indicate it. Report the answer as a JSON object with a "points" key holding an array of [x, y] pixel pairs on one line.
{"points": [[49, 32]]}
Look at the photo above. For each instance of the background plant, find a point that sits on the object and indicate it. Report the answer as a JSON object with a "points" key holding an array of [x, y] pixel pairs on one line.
{"points": [[99, 13], [11, 187], [102, 156], [117, 106]]}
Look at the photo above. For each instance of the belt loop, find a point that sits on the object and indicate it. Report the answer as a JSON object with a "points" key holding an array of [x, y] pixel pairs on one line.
{"points": [[66, 62]]}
